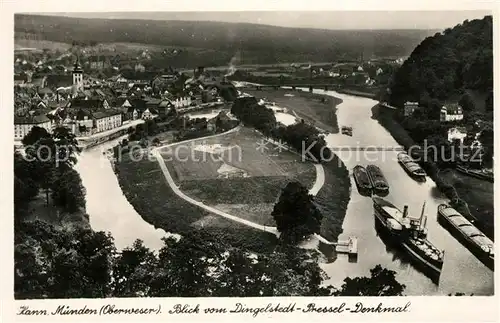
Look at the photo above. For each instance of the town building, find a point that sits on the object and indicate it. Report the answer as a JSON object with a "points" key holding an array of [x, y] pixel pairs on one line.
{"points": [[410, 107], [451, 112], [107, 120], [457, 133], [24, 124], [77, 76]]}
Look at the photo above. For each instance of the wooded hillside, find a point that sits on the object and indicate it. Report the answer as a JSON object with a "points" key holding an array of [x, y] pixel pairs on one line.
{"points": [[444, 66], [256, 44]]}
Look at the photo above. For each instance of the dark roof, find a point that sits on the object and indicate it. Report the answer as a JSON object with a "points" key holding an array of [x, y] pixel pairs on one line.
{"points": [[106, 113], [90, 104], [153, 101], [20, 77], [31, 119], [44, 91], [59, 80]]}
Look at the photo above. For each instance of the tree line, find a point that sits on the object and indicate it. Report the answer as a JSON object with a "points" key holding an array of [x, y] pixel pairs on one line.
{"points": [[55, 262], [301, 136]]}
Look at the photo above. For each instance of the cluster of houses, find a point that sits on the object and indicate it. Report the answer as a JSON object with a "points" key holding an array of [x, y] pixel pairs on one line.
{"points": [[450, 113], [88, 105]]}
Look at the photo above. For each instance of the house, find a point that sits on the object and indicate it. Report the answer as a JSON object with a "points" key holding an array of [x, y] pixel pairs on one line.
{"points": [[149, 114], [55, 81], [98, 62], [181, 102], [20, 79], [451, 112], [410, 107], [89, 104], [107, 120], [139, 67], [165, 107], [457, 133], [41, 81], [24, 124], [46, 94]]}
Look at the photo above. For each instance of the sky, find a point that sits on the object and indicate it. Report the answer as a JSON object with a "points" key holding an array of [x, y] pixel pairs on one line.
{"points": [[310, 19]]}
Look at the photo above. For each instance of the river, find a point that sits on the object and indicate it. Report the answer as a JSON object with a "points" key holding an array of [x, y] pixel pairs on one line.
{"points": [[111, 212], [461, 272], [108, 209]]}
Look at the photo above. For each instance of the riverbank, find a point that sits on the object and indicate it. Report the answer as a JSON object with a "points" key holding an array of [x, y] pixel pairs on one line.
{"points": [[318, 109], [357, 93], [478, 195], [147, 190]]}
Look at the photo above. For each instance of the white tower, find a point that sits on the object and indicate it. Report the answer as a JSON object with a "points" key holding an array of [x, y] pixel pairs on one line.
{"points": [[78, 75]]}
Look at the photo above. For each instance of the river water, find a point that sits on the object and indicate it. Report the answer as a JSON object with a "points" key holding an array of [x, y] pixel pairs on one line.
{"points": [[461, 272], [108, 209], [111, 212]]}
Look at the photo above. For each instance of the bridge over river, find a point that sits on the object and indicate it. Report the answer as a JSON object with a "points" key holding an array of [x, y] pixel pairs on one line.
{"points": [[367, 148]]}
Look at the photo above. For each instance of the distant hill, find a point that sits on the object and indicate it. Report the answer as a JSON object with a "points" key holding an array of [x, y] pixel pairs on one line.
{"points": [[255, 44], [445, 66]]}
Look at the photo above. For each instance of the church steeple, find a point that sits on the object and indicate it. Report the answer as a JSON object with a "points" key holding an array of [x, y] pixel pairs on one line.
{"points": [[77, 75]]}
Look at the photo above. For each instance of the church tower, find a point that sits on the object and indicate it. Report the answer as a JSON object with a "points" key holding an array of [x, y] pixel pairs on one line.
{"points": [[78, 75]]}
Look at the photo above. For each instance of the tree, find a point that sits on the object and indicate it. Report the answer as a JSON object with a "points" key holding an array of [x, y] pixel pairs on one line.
{"points": [[68, 191], [295, 213], [61, 263], [25, 187], [382, 282], [466, 103], [36, 133]]}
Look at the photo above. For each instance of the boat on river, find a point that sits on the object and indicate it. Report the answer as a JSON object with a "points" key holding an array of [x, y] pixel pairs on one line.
{"points": [[477, 173], [377, 178], [362, 178], [411, 235], [411, 167], [470, 236], [346, 130]]}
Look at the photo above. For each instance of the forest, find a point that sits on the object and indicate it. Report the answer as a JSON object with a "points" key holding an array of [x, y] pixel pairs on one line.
{"points": [[442, 67]]}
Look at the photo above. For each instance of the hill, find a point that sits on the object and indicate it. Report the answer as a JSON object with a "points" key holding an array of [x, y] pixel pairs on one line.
{"points": [[447, 65], [255, 44]]}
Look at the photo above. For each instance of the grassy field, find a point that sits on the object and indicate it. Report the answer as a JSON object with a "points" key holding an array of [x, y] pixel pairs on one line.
{"points": [[333, 198], [308, 106], [147, 190], [250, 197]]}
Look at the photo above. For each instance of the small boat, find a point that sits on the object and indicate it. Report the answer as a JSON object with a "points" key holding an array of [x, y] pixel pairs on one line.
{"points": [[346, 130], [467, 233], [362, 178], [410, 166], [377, 178], [411, 235], [481, 174]]}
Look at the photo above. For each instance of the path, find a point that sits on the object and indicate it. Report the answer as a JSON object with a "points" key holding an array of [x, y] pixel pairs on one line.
{"points": [[320, 180]]}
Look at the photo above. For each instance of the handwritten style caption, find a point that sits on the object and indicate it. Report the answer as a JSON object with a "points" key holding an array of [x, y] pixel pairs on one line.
{"points": [[237, 308]]}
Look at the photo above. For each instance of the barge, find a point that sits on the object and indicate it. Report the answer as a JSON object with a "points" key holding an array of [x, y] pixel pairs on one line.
{"points": [[411, 235], [362, 178], [377, 178], [470, 236], [411, 167], [480, 174]]}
